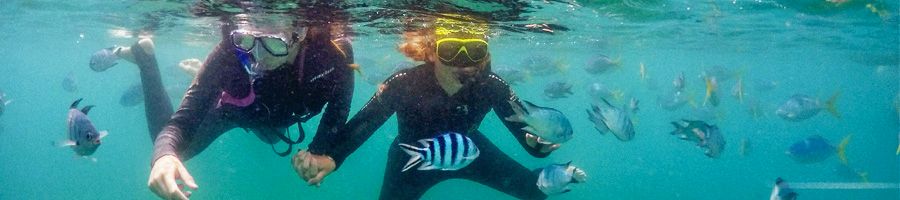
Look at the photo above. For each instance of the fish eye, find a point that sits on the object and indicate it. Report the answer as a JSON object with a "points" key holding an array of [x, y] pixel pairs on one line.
{"points": [[90, 137]]}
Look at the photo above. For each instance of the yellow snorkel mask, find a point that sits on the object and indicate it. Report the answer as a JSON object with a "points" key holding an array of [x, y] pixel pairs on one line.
{"points": [[461, 41]]}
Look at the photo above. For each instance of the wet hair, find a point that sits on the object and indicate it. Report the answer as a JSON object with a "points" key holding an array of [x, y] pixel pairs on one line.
{"points": [[419, 37], [417, 45]]}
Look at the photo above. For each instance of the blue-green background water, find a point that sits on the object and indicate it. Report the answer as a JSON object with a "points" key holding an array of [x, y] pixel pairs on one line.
{"points": [[806, 50]]}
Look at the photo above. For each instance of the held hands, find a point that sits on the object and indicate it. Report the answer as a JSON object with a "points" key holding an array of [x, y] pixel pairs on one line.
{"points": [[532, 141], [164, 175], [312, 168]]}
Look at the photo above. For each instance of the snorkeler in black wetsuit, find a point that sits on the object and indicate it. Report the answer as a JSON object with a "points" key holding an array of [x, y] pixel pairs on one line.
{"points": [[452, 95], [261, 77]]}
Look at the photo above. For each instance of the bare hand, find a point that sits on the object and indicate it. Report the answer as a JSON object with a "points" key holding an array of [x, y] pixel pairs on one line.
{"points": [[166, 170], [532, 141], [312, 168]]}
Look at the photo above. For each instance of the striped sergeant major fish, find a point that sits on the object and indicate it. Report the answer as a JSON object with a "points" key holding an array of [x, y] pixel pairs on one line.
{"points": [[449, 151]]}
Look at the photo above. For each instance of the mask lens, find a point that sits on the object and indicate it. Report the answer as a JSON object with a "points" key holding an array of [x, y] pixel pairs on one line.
{"points": [[477, 50], [448, 50], [275, 45], [461, 52], [243, 41]]}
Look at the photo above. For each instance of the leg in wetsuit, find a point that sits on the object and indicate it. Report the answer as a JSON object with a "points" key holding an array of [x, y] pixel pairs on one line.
{"points": [[492, 168]]}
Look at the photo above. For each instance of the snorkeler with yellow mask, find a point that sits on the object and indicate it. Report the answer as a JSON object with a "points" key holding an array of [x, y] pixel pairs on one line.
{"points": [[440, 106]]}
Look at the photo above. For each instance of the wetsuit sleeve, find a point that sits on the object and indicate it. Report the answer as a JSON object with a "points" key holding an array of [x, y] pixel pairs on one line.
{"points": [[338, 109], [197, 100], [503, 110], [350, 137]]}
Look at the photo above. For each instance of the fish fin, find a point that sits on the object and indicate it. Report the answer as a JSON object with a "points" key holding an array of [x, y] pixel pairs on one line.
{"points": [[416, 154], [606, 102], [66, 143], [864, 176], [517, 108], [86, 109], [102, 134], [7, 102], [842, 148], [426, 167], [75, 104], [898, 150], [831, 107], [530, 106], [529, 129]]}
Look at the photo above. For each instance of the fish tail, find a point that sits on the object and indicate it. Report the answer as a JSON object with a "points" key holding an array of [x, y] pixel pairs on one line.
{"points": [[830, 105], [356, 67], [842, 149], [416, 154], [864, 176], [898, 150]]}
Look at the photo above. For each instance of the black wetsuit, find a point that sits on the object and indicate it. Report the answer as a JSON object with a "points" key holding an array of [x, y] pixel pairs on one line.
{"points": [[424, 110], [320, 75]]}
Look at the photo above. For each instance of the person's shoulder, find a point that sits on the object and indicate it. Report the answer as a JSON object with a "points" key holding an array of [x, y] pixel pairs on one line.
{"points": [[495, 81], [405, 75]]}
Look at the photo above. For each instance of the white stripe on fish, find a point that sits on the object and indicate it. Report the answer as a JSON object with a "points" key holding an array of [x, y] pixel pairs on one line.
{"points": [[450, 151]]}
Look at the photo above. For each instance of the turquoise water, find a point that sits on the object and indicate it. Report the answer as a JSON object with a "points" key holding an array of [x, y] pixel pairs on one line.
{"points": [[805, 49]]}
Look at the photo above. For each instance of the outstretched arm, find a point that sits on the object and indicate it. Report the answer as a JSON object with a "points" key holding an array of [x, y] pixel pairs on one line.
{"points": [[503, 109]]}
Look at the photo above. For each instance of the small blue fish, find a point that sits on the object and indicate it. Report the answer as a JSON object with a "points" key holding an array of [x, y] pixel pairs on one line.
{"points": [[547, 123], [672, 100], [132, 96], [557, 90], [83, 137], [555, 178], [599, 91], [781, 191], [608, 118], [705, 135], [801, 107], [601, 64], [816, 149], [104, 59], [541, 65], [449, 151]]}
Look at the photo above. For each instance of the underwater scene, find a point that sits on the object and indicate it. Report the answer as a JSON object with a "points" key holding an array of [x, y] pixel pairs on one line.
{"points": [[469, 99]]}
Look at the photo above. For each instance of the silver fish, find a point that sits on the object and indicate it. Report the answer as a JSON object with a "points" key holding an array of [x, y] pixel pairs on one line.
{"points": [[608, 118], [511, 75], [104, 59], [557, 90], [132, 96], [705, 135], [547, 123], [70, 84], [449, 151], [678, 82], [555, 178], [633, 105], [801, 107], [782, 191], [599, 91], [672, 100], [540, 65], [721, 72], [600, 65], [3, 102], [83, 137]]}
